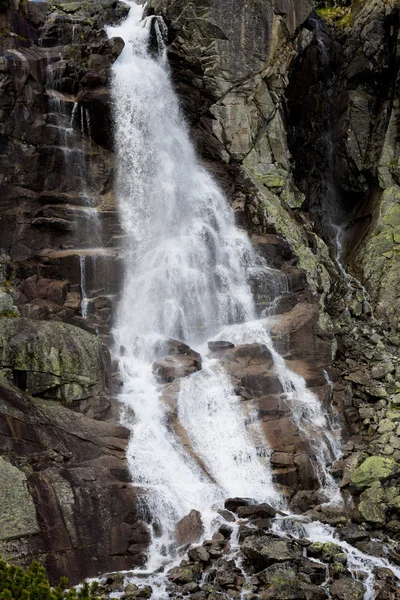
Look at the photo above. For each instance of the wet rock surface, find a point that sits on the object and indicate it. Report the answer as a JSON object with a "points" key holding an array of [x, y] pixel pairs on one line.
{"points": [[56, 160], [180, 361]]}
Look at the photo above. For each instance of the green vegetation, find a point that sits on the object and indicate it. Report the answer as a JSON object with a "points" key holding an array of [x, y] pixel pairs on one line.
{"points": [[32, 584], [336, 15], [4, 5]]}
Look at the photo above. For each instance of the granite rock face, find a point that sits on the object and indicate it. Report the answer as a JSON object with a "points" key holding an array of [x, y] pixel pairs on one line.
{"points": [[58, 219], [65, 494], [342, 113]]}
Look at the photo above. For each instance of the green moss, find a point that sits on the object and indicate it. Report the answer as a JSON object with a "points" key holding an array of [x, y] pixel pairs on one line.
{"points": [[17, 584], [371, 505], [9, 314], [333, 553], [283, 576], [271, 180], [336, 15], [372, 470], [187, 575]]}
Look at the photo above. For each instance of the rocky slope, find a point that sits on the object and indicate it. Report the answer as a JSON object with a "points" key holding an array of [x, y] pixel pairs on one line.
{"points": [[297, 119]]}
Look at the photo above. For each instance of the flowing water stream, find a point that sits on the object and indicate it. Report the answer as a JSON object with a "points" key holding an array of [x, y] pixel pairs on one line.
{"points": [[187, 272], [187, 277]]}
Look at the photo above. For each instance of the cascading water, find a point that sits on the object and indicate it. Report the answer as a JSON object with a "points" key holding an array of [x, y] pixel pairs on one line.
{"points": [[331, 202], [187, 276], [72, 134]]}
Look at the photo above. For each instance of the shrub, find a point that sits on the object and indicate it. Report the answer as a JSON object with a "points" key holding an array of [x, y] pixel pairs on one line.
{"points": [[4, 5], [32, 584]]}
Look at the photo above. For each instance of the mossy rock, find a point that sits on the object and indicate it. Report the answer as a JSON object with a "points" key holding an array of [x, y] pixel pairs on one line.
{"points": [[54, 360], [17, 512], [372, 506], [334, 553], [372, 470]]}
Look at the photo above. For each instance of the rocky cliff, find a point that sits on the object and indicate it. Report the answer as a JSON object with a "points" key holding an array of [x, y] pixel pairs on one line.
{"points": [[296, 117]]}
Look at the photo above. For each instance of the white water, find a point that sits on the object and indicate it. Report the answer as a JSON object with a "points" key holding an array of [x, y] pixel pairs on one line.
{"points": [[187, 272], [72, 135], [84, 297], [352, 283]]}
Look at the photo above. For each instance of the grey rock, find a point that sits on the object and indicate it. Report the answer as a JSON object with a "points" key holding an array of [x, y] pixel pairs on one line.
{"points": [[17, 509]]}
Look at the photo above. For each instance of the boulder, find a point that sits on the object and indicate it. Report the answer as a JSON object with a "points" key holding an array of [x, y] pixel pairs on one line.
{"points": [[56, 361], [372, 504], [265, 550], [347, 588], [189, 529], [169, 368], [374, 469], [353, 533], [199, 554], [256, 511], [232, 504]]}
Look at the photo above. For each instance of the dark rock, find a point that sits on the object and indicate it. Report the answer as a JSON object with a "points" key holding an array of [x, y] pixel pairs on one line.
{"points": [[225, 530], [170, 347], [304, 500], [183, 575], [256, 511], [232, 504], [227, 515], [199, 554], [315, 570], [353, 533], [347, 588], [190, 588], [265, 550], [219, 345]]}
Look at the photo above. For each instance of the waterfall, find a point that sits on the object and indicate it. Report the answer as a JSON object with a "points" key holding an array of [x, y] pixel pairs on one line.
{"points": [[70, 125], [187, 277]]}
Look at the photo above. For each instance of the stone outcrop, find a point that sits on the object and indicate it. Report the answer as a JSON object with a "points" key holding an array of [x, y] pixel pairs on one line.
{"points": [[56, 361], [65, 494], [343, 107], [58, 219]]}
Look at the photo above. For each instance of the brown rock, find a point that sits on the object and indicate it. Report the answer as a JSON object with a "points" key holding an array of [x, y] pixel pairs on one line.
{"points": [[79, 481], [282, 459], [189, 529], [169, 368]]}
